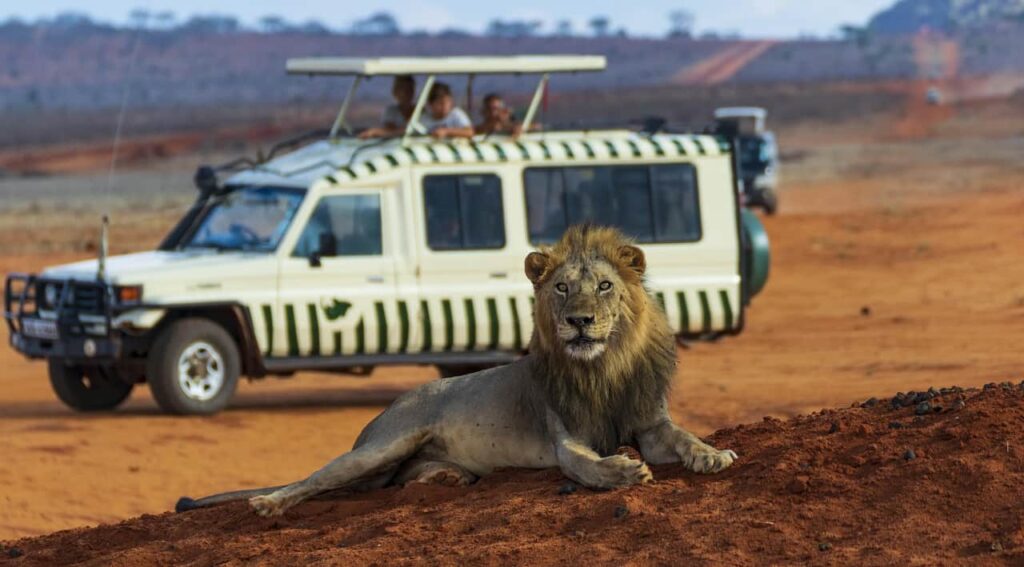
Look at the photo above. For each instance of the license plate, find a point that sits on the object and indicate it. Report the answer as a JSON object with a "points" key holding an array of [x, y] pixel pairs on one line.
{"points": [[39, 328]]}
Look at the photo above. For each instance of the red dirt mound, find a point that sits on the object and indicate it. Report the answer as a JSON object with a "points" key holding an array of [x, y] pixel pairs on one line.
{"points": [[924, 478]]}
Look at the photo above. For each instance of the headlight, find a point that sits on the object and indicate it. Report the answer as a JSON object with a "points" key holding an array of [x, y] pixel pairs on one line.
{"points": [[128, 294], [50, 295]]}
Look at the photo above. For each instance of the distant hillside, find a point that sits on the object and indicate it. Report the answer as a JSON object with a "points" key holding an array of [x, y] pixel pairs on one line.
{"points": [[47, 68], [911, 16]]}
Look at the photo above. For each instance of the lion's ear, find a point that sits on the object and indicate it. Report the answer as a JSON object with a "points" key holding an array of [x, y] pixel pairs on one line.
{"points": [[633, 258], [536, 266]]}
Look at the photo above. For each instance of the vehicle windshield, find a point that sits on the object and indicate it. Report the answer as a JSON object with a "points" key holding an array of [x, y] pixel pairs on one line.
{"points": [[249, 218]]}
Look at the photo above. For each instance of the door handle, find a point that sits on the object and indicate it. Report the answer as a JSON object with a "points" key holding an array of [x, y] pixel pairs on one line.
{"points": [[375, 279], [499, 275]]}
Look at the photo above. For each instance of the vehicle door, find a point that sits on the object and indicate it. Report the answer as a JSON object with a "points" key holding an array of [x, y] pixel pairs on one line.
{"points": [[337, 286], [472, 296]]}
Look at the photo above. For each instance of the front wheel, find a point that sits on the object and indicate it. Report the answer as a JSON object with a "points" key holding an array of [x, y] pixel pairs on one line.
{"points": [[91, 388], [193, 367]]}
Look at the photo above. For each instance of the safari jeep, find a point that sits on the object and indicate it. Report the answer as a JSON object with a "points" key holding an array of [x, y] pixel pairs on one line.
{"points": [[346, 254], [757, 154]]}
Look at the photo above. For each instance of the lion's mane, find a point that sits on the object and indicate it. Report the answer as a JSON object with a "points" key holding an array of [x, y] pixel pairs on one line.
{"points": [[604, 399]]}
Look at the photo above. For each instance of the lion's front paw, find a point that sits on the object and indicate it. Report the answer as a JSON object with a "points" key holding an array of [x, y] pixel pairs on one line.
{"points": [[619, 470], [703, 458], [268, 505]]}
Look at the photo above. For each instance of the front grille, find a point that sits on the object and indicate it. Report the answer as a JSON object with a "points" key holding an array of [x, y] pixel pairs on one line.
{"points": [[88, 299], [83, 297]]}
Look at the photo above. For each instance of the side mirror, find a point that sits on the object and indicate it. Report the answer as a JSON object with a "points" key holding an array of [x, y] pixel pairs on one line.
{"points": [[205, 179]]}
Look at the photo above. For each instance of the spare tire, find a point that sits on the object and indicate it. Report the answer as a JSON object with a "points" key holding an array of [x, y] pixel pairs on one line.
{"points": [[759, 255]]}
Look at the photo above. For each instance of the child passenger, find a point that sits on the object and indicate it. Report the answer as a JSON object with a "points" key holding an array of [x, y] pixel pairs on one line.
{"points": [[444, 119]]}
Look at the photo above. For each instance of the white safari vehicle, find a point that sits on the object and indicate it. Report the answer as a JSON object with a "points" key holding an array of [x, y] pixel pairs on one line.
{"points": [[345, 253]]}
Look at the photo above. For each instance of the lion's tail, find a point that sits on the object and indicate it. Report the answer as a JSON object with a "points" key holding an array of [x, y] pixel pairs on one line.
{"points": [[185, 503]]}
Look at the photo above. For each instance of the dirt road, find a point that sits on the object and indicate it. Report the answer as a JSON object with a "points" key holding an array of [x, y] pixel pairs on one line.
{"points": [[723, 65], [896, 267]]}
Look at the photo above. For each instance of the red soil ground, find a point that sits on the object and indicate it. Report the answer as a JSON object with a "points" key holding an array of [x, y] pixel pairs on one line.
{"points": [[873, 485]]}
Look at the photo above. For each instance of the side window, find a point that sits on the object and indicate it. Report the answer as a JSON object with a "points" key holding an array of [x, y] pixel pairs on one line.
{"points": [[352, 222], [632, 198], [545, 204], [463, 212], [651, 203], [676, 210]]}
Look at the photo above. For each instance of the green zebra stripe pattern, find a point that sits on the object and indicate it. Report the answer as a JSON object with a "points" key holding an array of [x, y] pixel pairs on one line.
{"points": [[490, 323], [658, 146]]}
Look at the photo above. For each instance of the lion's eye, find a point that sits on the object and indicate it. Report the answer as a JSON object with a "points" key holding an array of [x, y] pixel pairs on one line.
{"points": [[605, 286], [561, 287]]}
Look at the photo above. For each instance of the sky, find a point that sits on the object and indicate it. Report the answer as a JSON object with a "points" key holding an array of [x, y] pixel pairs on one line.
{"points": [[750, 18]]}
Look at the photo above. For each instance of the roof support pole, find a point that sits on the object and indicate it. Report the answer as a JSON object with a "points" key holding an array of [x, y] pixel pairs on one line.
{"points": [[340, 120], [414, 120], [537, 96]]}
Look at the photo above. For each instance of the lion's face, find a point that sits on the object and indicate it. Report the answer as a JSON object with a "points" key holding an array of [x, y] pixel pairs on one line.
{"points": [[584, 298]]}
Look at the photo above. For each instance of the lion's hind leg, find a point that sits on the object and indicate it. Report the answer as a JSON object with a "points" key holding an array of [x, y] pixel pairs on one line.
{"points": [[424, 471], [348, 469]]}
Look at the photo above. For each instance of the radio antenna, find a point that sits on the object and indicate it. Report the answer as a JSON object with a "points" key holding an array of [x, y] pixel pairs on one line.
{"points": [[101, 265], [117, 134]]}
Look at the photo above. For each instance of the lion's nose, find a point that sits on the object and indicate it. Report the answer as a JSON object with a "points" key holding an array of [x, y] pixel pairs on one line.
{"points": [[580, 321]]}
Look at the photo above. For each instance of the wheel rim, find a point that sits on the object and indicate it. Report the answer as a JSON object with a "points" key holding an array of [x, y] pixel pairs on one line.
{"points": [[200, 371]]}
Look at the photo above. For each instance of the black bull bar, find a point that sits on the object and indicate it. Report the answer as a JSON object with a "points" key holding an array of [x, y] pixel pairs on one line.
{"points": [[68, 329]]}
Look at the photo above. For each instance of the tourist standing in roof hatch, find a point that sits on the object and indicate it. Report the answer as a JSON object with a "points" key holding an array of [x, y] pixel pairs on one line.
{"points": [[397, 115], [497, 117], [443, 119]]}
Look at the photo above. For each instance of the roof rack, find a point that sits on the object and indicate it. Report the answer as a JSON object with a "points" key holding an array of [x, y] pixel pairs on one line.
{"points": [[357, 67], [463, 65]]}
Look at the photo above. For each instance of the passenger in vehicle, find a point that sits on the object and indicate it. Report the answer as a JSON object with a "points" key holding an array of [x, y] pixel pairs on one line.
{"points": [[397, 115], [443, 119], [497, 117]]}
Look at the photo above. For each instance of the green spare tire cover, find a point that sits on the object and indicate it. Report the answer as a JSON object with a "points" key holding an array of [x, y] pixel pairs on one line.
{"points": [[760, 258]]}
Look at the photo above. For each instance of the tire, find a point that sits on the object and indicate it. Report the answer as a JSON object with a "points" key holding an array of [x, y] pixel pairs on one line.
{"points": [[87, 389], [193, 367]]}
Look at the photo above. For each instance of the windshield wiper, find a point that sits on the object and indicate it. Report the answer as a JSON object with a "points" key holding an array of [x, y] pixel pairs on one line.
{"points": [[254, 248], [209, 245]]}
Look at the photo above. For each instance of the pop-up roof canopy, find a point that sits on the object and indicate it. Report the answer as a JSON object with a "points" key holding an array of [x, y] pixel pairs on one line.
{"points": [[749, 119], [488, 65], [358, 67]]}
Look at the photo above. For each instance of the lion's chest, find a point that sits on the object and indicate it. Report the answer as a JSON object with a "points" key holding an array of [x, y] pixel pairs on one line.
{"points": [[603, 432]]}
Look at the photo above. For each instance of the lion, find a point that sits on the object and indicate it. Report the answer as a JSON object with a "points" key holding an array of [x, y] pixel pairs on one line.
{"points": [[597, 377]]}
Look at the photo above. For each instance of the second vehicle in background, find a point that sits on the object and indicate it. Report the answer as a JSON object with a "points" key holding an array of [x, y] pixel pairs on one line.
{"points": [[757, 154]]}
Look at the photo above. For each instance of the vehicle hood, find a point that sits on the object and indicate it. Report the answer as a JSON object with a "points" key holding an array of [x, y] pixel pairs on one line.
{"points": [[186, 275]]}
